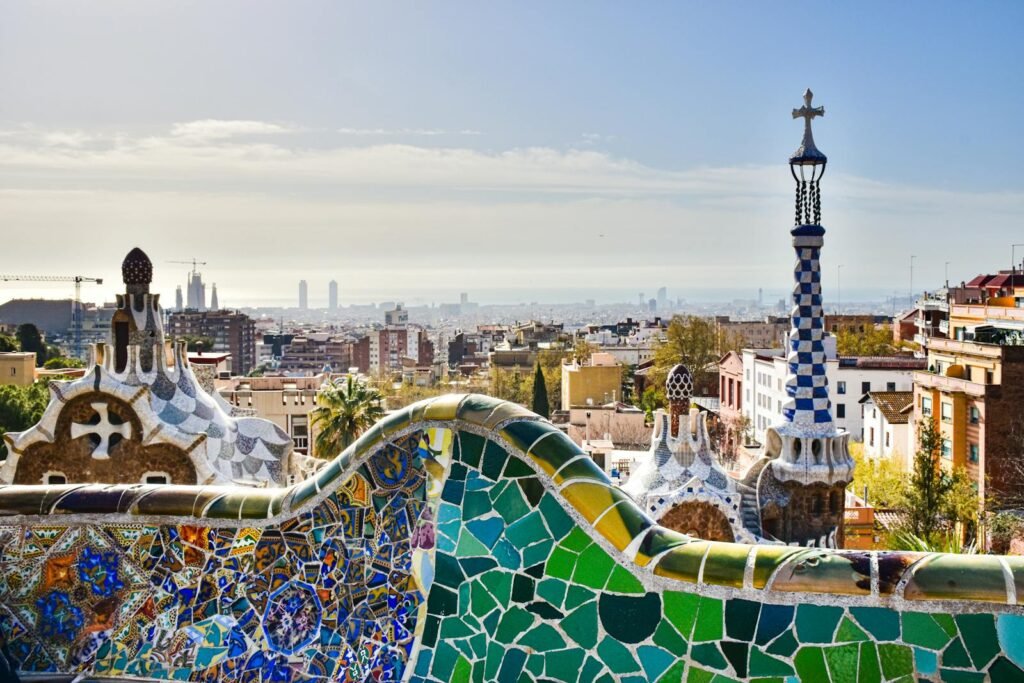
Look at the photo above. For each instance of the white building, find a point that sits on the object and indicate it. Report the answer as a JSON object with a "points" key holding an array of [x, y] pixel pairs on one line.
{"points": [[886, 419], [849, 379]]}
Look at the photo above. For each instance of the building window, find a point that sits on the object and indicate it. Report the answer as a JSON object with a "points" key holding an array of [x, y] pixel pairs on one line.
{"points": [[840, 410], [841, 387], [865, 387], [947, 411], [975, 415], [972, 452], [871, 436], [887, 439], [926, 406], [14, 371], [156, 478], [890, 386], [55, 478], [947, 449], [300, 432]]}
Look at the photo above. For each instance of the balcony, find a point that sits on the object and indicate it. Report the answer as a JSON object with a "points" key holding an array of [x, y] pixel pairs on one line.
{"points": [[945, 384]]}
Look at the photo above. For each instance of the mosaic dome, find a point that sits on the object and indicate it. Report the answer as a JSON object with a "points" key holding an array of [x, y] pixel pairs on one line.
{"points": [[137, 269], [679, 384]]}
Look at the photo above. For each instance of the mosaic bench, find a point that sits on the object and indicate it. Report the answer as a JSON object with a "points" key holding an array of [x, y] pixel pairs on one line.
{"points": [[465, 539]]}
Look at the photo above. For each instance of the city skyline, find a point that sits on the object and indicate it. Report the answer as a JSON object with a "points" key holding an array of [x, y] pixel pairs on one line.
{"points": [[641, 166]]}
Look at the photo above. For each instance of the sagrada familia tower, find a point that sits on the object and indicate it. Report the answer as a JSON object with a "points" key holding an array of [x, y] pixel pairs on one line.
{"points": [[795, 492]]}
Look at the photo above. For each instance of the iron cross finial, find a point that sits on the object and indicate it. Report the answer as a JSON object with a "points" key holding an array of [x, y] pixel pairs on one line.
{"points": [[808, 153]]}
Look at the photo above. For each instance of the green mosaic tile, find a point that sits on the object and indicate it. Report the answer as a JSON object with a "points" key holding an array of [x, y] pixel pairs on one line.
{"points": [[736, 653], [552, 590], [577, 540], [554, 451], [515, 468], [708, 625], [955, 655], [869, 670], [773, 620], [668, 638], [979, 635], [469, 546], [627, 618], [511, 505], [581, 625], [513, 623], [953, 676], [726, 564], [842, 663], [537, 553], [766, 665], [493, 461], [511, 665], [623, 524], [561, 563], [741, 619], [785, 645], [564, 665], [581, 468], [475, 504], [654, 661], [1004, 670], [850, 632], [880, 622], [708, 654], [816, 624], [525, 433], [591, 668], [577, 595], [921, 629], [897, 660], [469, 448], [674, 674], [810, 664], [616, 657], [953, 577], [481, 601], [683, 562], [558, 521], [542, 638], [623, 581], [499, 584], [593, 568], [681, 610], [535, 664], [656, 541]]}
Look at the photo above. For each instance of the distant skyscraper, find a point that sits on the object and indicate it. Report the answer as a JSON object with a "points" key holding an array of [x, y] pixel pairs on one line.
{"points": [[303, 295], [196, 292], [662, 299], [332, 295], [214, 305], [179, 303], [464, 298]]}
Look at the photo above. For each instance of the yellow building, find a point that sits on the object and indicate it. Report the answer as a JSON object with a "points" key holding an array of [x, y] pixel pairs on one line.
{"points": [[17, 368], [596, 382]]}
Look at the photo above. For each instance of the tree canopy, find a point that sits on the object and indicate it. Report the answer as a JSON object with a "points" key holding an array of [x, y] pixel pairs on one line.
{"points": [[696, 343], [21, 407], [345, 409], [30, 340]]}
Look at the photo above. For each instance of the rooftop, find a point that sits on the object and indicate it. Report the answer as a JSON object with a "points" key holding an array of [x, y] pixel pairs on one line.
{"points": [[893, 404]]}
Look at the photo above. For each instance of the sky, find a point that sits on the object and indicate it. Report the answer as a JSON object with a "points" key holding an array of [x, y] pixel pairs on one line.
{"points": [[517, 151]]}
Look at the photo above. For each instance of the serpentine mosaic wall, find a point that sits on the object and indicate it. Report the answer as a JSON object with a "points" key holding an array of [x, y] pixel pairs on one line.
{"points": [[464, 540]]}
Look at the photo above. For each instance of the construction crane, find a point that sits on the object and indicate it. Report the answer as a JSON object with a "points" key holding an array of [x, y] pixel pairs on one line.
{"points": [[76, 305], [195, 262]]}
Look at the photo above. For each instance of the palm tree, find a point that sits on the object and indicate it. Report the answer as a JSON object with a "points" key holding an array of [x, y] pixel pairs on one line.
{"points": [[345, 409]]}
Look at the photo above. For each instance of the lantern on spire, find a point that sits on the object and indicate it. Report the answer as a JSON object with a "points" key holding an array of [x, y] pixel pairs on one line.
{"points": [[807, 164]]}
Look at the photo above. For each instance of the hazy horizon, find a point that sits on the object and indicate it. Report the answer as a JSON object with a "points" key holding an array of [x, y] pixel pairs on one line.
{"points": [[437, 149]]}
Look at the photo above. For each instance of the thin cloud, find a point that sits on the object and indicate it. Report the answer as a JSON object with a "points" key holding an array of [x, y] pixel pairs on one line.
{"points": [[405, 131], [217, 129]]}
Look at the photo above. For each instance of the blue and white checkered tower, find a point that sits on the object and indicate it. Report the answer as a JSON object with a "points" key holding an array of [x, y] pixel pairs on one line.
{"points": [[807, 446]]}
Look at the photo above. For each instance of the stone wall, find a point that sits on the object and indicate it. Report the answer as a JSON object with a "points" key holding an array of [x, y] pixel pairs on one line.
{"points": [[464, 539]]}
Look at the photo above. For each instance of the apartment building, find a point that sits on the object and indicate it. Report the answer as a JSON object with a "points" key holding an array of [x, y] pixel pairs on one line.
{"points": [[597, 381], [231, 332]]}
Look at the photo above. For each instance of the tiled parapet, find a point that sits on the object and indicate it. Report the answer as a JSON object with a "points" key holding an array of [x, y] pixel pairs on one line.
{"points": [[465, 539]]}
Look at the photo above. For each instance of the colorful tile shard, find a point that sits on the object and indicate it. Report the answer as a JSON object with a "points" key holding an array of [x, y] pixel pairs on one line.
{"points": [[463, 539]]}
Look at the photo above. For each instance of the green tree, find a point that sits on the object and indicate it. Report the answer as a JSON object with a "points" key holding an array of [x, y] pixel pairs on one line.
{"points": [[884, 479], [873, 342], [925, 499], [540, 393], [694, 342], [21, 407], [582, 351], [653, 398], [61, 362], [628, 382], [31, 341], [8, 343], [345, 409], [195, 343]]}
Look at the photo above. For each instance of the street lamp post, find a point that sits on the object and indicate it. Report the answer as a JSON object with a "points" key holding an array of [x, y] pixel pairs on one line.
{"points": [[912, 257], [1013, 257]]}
